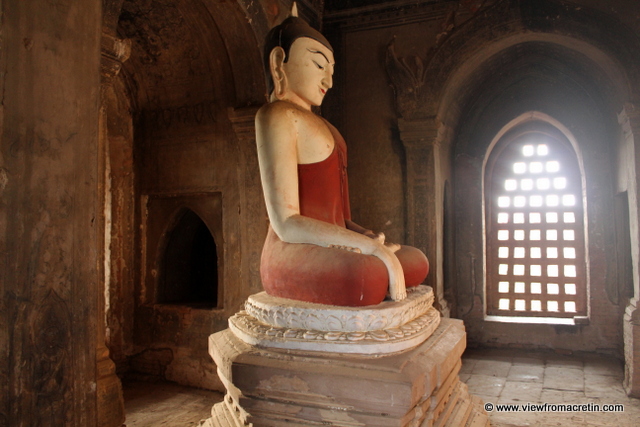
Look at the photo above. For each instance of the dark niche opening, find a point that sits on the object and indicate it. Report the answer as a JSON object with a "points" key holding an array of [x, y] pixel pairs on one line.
{"points": [[189, 269]]}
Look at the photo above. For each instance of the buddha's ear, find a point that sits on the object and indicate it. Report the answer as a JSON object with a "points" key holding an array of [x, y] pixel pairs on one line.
{"points": [[276, 62]]}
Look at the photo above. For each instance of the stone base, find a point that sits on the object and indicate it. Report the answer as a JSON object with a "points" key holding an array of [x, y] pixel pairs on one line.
{"points": [[280, 387], [631, 327]]}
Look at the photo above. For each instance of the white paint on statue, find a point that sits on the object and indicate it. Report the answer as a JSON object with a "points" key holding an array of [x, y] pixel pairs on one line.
{"points": [[386, 328]]}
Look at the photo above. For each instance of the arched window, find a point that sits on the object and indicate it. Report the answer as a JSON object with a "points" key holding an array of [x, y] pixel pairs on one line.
{"points": [[189, 270], [535, 246]]}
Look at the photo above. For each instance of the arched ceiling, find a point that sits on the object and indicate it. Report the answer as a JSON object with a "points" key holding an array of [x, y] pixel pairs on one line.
{"points": [[189, 52]]}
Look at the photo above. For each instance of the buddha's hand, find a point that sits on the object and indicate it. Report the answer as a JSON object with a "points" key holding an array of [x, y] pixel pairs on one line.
{"points": [[381, 238], [397, 289]]}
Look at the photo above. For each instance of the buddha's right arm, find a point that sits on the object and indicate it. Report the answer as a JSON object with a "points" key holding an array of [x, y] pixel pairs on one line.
{"points": [[276, 138]]}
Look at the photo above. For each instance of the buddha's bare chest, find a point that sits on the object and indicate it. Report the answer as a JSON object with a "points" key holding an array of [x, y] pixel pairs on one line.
{"points": [[315, 141]]}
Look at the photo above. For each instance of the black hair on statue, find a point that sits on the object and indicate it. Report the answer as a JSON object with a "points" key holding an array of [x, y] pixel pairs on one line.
{"points": [[283, 36]]}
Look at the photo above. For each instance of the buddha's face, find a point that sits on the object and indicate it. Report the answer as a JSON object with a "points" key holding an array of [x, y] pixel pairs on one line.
{"points": [[309, 72]]}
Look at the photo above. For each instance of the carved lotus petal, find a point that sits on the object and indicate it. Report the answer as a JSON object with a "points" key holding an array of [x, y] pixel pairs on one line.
{"points": [[395, 332], [377, 323], [290, 333], [332, 336], [355, 336], [408, 328], [310, 335], [379, 335], [355, 323], [314, 322], [333, 323]]}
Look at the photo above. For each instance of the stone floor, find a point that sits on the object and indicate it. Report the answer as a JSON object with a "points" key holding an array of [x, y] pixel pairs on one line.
{"points": [[520, 377], [497, 376], [166, 404]]}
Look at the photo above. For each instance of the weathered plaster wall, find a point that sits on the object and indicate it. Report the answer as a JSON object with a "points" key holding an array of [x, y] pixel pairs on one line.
{"points": [[478, 72], [181, 136], [49, 234]]}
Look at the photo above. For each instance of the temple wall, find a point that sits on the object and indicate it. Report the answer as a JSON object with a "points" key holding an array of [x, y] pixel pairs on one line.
{"points": [[49, 218], [469, 98]]}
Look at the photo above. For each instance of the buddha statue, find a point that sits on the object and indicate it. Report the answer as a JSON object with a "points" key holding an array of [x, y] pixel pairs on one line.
{"points": [[314, 252]]}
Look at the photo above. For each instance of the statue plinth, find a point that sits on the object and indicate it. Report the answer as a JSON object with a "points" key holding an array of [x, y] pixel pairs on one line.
{"points": [[385, 328], [382, 365]]}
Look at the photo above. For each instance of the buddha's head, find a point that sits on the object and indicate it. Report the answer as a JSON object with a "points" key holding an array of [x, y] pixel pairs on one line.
{"points": [[299, 61]]}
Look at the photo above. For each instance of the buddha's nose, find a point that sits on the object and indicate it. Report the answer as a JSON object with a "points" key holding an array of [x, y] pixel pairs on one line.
{"points": [[327, 80]]}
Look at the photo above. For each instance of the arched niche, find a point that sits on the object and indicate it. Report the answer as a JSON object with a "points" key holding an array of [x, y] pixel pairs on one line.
{"points": [[185, 257], [188, 273]]}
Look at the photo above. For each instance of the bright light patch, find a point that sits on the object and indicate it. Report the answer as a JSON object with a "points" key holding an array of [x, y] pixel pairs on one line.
{"points": [[568, 200], [503, 269], [536, 253], [520, 305], [518, 218], [553, 166], [570, 271], [519, 167], [570, 288], [552, 234], [503, 218], [534, 235], [552, 253], [510, 185], [543, 183], [536, 270], [542, 150], [518, 252], [569, 307], [552, 305], [518, 234], [503, 304], [535, 218], [503, 234], [503, 287], [504, 201], [527, 150], [518, 270], [552, 270], [551, 217], [569, 253], [535, 201], [553, 200], [535, 167], [536, 305], [559, 183], [553, 289], [568, 235], [519, 288], [503, 252], [536, 288]]}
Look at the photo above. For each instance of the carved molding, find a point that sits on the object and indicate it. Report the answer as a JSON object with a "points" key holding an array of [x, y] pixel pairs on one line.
{"points": [[289, 314], [114, 53], [418, 133], [243, 122], [196, 114], [386, 328], [388, 14], [408, 78], [383, 341]]}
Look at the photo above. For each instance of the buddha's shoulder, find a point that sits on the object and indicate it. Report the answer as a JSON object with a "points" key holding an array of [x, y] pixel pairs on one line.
{"points": [[282, 110]]}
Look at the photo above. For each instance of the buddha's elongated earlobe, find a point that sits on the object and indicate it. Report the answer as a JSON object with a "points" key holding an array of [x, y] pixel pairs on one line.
{"points": [[276, 61]]}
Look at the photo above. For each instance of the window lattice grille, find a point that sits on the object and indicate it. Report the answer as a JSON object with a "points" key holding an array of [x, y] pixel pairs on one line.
{"points": [[535, 237]]}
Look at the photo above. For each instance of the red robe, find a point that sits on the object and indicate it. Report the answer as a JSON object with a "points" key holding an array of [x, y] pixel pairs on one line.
{"points": [[312, 273]]}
